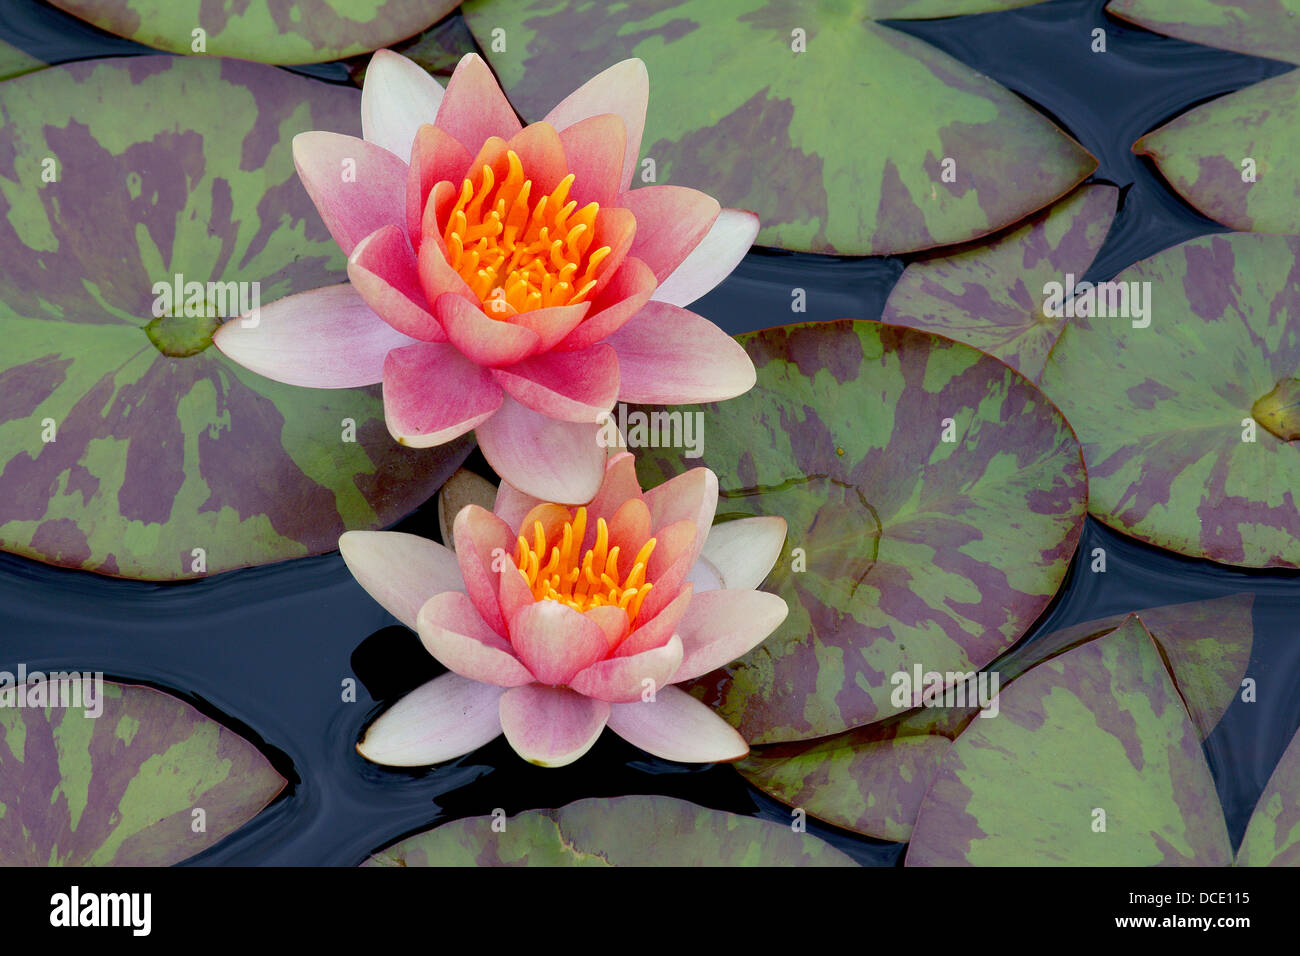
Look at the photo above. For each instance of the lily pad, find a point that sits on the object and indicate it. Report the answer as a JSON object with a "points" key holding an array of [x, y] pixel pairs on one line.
{"points": [[117, 457], [123, 787], [622, 831], [910, 548], [872, 779], [14, 62], [1273, 834], [992, 295], [1175, 417], [1092, 760], [1234, 158], [867, 142], [1270, 29], [438, 49], [306, 31]]}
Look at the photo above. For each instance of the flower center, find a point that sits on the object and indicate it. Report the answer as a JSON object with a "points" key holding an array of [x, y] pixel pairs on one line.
{"points": [[517, 255], [587, 580]]}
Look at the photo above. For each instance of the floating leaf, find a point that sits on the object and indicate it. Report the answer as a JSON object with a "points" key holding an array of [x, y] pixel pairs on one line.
{"points": [[1273, 834], [1233, 157], [872, 779], [119, 458], [120, 788], [463, 488], [14, 62], [438, 49], [1092, 760], [1270, 28], [305, 31], [1174, 456], [623, 831], [848, 147], [992, 295], [911, 548]]}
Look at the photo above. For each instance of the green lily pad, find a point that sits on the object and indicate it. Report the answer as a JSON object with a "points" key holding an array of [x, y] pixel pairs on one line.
{"points": [[840, 148], [992, 295], [306, 31], [622, 831], [123, 787], [1092, 760], [1270, 29], [1273, 834], [119, 458], [872, 779], [910, 548], [1233, 158], [1181, 421], [15, 62]]}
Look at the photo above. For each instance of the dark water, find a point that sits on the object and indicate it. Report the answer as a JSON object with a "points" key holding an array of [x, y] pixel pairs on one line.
{"points": [[265, 650]]}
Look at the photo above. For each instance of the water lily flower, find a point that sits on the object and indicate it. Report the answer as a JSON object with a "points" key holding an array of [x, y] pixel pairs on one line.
{"points": [[505, 279], [556, 622]]}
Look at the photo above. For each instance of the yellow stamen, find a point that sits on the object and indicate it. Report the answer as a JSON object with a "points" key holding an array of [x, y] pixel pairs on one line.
{"points": [[582, 580], [525, 259]]}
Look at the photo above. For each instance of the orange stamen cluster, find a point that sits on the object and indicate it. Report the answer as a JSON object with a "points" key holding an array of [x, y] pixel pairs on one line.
{"points": [[517, 257], [594, 580]]}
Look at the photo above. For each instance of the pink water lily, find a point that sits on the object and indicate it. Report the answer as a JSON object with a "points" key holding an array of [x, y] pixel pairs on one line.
{"points": [[505, 279], [557, 622]]}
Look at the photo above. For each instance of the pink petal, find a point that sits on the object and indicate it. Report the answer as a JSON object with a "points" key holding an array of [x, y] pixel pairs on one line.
{"points": [[357, 187], [383, 270], [513, 593], [719, 252], [617, 228], [551, 460], [739, 554], [656, 630], [452, 631], [325, 338], [668, 356], [473, 107], [721, 626], [433, 394], [629, 530], [437, 277], [691, 496], [676, 726], [616, 487], [628, 290], [443, 719], [555, 641], [484, 340], [674, 556], [400, 571], [397, 97], [512, 504], [671, 221], [485, 546], [542, 155], [553, 323], [569, 386], [551, 726], [436, 156], [622, 679], [623, 89], [612, 621], [593, 149]]}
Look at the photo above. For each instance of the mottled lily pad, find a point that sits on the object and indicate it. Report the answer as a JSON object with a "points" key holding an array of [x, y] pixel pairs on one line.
{"points": [[125, 787], [1273, 834], [305, 31], [1092, 761], [1168, 413], [840, 148], [623, 831], [438, 49], [910, 548], [994, 295], [872, 779], [1234, 158], [14, 62], [1270, 28], [119, 458]]}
